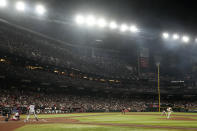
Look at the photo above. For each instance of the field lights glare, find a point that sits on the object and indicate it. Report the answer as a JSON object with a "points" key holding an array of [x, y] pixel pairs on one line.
{"points": [[165, 35], [90, 20], [3, 3], [113, 25], [79, 19], [20, 6], [175, 36], [102, 22], [185, 39], [123, 28], [133, 28], [40, 9]]}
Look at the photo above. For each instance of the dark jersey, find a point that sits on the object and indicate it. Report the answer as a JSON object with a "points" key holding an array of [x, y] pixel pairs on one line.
{"points": [[6, 111]]}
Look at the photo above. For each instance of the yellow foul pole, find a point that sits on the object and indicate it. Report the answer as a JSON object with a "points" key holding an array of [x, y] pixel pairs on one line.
{"points": [[159, 86]]}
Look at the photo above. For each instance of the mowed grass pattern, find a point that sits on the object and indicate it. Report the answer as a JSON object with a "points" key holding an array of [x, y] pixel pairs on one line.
{"points": [[115, 118], [78, 127]]}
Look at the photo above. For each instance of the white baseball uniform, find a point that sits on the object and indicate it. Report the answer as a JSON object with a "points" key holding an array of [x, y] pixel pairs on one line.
{"points": [[32, 111], [169, 110], [164, 113]]}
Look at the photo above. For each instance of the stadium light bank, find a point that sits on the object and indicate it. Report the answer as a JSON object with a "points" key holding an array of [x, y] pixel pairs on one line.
{"points": [[92, 21], [3, 3], [176, 37], [40, 9], [21, 7]]}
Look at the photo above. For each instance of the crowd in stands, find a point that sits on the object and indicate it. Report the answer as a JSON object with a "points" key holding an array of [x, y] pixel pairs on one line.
{"points": [[75, 62], [63, 103], [104, 63], [68, 78], [67, 103], [75, 66], [89, 60]]}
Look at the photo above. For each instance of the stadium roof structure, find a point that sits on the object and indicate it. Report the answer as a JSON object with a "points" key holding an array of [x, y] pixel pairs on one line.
{"points": [[97, 21]]}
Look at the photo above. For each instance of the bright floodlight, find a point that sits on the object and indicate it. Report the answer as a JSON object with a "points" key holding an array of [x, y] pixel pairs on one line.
{"points": [[79, 19], [185, 39], [196, 40], [176, 37], [133, 28], [90, 20], [20, 6], [113, 25], [40, 9], [102, 23], [123, 28], [165, 35], [3, 3]]}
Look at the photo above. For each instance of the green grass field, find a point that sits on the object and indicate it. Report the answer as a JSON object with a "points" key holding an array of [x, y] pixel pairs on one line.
{"points": [[117, 122]]}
